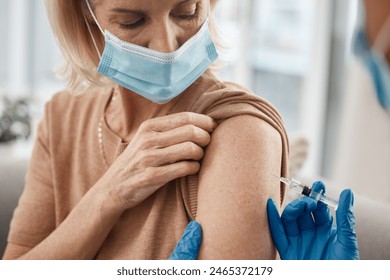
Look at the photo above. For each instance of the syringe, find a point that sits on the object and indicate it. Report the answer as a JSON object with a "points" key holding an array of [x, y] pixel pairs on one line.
{"points": [[305, 190]]}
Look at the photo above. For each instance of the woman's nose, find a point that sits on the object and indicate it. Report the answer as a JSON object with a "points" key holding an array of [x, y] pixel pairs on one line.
{"points": [[164, 39]]}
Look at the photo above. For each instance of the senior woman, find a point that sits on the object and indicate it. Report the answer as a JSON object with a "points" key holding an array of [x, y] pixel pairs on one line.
{"points": [[119, 171]]}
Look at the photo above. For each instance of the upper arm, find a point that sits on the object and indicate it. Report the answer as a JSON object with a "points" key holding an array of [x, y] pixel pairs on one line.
{"points": [[235, 181]]}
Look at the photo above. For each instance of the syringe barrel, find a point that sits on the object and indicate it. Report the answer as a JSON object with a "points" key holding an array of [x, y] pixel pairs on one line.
{"points": [[304, 190], [330, 201], [325, 199]]}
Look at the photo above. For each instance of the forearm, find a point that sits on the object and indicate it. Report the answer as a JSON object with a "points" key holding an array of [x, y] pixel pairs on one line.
{"points": [[82, 233]]}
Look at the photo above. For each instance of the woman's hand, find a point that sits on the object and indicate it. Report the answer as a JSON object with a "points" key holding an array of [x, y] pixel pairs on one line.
{"points": [[162, 150]]}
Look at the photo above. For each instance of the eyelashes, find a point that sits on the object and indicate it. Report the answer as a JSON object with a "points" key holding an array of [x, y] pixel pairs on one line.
{"points": [[188, 18], [132, 25]]}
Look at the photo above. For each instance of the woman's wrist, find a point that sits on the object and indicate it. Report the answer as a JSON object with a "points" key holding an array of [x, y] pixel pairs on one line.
{"points": [[106, 196]]}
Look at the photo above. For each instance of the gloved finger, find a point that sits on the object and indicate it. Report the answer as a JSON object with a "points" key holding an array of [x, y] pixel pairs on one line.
{"points": [[188, 246], [345, 220], [322, 215], [276, 227], [305, 220], [293, 211]]}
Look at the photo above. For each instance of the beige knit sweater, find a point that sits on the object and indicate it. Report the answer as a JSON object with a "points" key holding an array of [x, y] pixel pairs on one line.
{"points": [[67, 162]]}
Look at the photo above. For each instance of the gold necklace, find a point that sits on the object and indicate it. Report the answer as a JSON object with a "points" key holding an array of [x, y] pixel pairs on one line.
{"points": [[100, 136]]}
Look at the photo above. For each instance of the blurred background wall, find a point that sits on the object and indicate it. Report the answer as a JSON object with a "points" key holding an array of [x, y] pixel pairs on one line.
{"points": [[292, 53]]}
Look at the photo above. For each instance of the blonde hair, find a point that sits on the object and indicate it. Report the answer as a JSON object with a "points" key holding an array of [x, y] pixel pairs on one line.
{"points": [[68, 22]]}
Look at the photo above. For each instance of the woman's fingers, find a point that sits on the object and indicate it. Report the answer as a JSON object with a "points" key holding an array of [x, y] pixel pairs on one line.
{"points": [[156, 146], [166, 173], [160, 157], [163, 149], [187, 133], [173, 121], [175, 153]]}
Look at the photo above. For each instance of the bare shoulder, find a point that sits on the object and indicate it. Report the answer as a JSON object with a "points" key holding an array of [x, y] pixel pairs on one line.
{"points": [[235, 182], [249, 126]]}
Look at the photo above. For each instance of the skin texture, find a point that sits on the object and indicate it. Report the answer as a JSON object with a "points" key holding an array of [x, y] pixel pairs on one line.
{"points": [[377, 12], [235, 179], [234, 184]]}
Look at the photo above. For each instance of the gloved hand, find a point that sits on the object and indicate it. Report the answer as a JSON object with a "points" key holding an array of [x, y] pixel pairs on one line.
{"points": [[188, 246], [300, 235]]}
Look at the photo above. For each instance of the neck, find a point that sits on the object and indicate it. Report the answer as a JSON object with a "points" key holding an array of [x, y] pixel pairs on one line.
{"points": [[133, 110], [129, 110]]}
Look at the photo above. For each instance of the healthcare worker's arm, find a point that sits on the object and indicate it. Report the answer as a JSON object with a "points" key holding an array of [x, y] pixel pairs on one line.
{"points": [[235, 182], [306, 230]]}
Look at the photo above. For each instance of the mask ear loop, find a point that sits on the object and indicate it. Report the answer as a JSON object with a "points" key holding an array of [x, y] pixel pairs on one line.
{"points": [[89, 27], [93, 16]]}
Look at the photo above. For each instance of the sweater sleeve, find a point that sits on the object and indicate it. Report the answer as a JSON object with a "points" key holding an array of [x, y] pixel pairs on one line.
{"points": [[34, 217]]}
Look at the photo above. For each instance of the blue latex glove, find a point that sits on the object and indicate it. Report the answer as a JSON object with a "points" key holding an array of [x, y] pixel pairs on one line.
{"points": [[306, 230], [188, 246]]}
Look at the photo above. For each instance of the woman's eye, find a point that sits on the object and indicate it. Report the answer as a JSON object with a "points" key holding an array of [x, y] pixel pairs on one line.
{"points": [[187, 17], [132, 25], [187, 14]]}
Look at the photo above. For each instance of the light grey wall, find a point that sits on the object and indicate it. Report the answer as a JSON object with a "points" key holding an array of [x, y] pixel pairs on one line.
{"points": [[3, 45], [341, 35]]}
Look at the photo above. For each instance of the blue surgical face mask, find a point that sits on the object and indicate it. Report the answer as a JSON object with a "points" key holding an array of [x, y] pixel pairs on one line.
{"points": [[155, 75], [374, 58]]}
